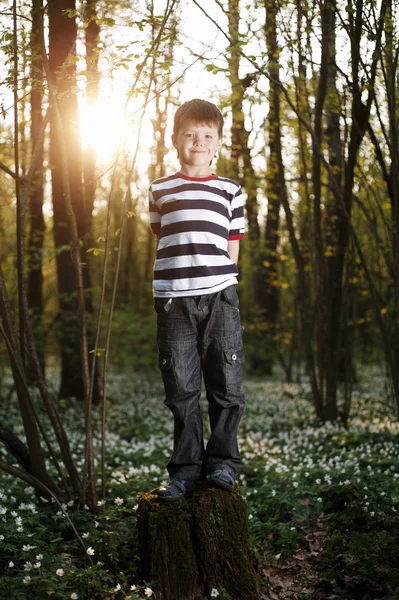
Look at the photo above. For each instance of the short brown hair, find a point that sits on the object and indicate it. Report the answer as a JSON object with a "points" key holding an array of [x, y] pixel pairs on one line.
{"points": [[198, 111]]}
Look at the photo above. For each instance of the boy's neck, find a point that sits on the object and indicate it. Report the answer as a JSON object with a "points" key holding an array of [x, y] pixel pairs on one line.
{"points": [[195, 172]]}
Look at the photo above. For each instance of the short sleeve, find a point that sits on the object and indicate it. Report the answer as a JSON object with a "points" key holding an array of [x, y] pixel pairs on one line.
{"points": [[155, 217], [237, 223]]}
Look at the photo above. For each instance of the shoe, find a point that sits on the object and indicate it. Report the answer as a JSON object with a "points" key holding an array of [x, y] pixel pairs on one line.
{"points": [[223, 479], [176, 489]]}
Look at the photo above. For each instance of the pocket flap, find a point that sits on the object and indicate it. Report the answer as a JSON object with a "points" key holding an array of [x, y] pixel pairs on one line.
{"points": [[233, 356], [165, 362]]}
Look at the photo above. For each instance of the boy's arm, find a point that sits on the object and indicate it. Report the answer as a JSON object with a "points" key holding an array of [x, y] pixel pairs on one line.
{"points": [[233, 248]]}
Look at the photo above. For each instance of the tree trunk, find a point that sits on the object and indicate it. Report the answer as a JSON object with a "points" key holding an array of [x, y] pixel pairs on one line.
{"points": [[92, 37], [392, 85], [332, 287], [36, 461], [195, 545], [36, 217], [62, 38], [275, 185]]}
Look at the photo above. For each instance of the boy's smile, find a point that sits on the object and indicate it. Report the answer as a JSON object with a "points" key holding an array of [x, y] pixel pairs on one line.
{"points": [[196, 145]]}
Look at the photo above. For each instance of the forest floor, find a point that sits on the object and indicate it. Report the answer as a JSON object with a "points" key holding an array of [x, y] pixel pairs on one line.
{"points": [[323, 501]]}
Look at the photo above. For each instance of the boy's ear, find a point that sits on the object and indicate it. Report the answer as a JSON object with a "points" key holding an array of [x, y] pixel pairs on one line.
{"points": [[174, 140]]}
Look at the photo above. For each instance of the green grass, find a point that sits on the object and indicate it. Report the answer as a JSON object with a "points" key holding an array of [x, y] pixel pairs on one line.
{"points": [[296, 473]]}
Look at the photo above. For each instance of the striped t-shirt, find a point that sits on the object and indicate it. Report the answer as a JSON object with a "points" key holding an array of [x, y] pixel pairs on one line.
{"points": [[194, 219]]}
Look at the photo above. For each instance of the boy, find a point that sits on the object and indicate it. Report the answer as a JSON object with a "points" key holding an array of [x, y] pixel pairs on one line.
{"points": [[199, 220]]}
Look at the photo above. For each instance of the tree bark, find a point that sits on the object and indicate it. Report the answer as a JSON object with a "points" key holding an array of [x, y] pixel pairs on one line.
{"points": [[37, 465], [197, 544], [62, 39], [275, 182], [36, 217], [92, 37]]}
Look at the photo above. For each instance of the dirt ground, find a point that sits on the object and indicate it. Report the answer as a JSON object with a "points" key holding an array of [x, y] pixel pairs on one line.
{"points": [[296, 577]]}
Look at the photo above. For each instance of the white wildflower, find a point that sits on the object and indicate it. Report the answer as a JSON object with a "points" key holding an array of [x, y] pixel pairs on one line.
{"points": [[119, 501], [148, 592], [74, 596], [90, 551], [11, 564], [26, 579], [214, 593], [59, 572], [27, 547]]}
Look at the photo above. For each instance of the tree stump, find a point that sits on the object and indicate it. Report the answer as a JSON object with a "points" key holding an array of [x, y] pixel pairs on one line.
{"points": [[195, 544]]}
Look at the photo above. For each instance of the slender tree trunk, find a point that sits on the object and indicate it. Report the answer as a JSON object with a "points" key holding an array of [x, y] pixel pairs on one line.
{"points": [[392, 59], [342, 194], [157, 167], [275, 178], [335, 218], [62, 38], [92, 38], [36, 463], [36, 217], [319, 245], [240, 167]]}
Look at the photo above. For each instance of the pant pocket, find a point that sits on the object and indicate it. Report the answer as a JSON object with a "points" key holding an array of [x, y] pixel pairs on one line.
{"points": [[233, 361], [166, 366], [230, 296], [164, 305]]}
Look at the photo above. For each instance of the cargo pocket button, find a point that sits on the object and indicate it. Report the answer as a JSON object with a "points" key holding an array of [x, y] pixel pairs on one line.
{"points": [[234, 356]]}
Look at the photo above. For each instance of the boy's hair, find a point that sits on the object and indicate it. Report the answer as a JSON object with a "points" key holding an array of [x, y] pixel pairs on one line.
{"points": [[198, 111]]}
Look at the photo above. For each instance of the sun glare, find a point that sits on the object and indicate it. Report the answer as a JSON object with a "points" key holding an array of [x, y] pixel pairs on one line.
{"points": [[104, 127]]}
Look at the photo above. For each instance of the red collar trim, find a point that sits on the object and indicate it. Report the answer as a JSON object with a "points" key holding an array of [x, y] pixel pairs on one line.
{"points": [[187, 178]]}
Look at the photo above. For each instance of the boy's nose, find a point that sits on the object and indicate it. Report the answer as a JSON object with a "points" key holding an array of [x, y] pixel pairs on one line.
{"points": [[197, 142]]}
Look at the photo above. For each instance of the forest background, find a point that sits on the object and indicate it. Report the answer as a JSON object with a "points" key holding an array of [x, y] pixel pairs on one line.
{"points": [[309, 91]]}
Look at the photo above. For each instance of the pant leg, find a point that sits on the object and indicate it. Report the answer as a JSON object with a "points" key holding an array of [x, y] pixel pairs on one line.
{"points": [[222, 358], [179, 362]]}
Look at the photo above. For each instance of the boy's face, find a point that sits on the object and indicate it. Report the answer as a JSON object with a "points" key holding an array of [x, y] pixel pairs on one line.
{"points": [[196, 144]]}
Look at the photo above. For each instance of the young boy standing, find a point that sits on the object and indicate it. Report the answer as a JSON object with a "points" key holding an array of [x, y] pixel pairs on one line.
{"points": [[199, 220]]}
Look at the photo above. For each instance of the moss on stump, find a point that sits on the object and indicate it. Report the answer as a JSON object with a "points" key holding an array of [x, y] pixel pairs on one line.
{"points": [[195, 544]]}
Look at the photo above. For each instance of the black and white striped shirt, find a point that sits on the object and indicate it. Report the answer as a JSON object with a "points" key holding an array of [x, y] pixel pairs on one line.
{"points": [[194, 219]]}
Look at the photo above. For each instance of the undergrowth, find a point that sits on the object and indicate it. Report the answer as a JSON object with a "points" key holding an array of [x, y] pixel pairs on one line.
{"points": [[296, 472]]}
